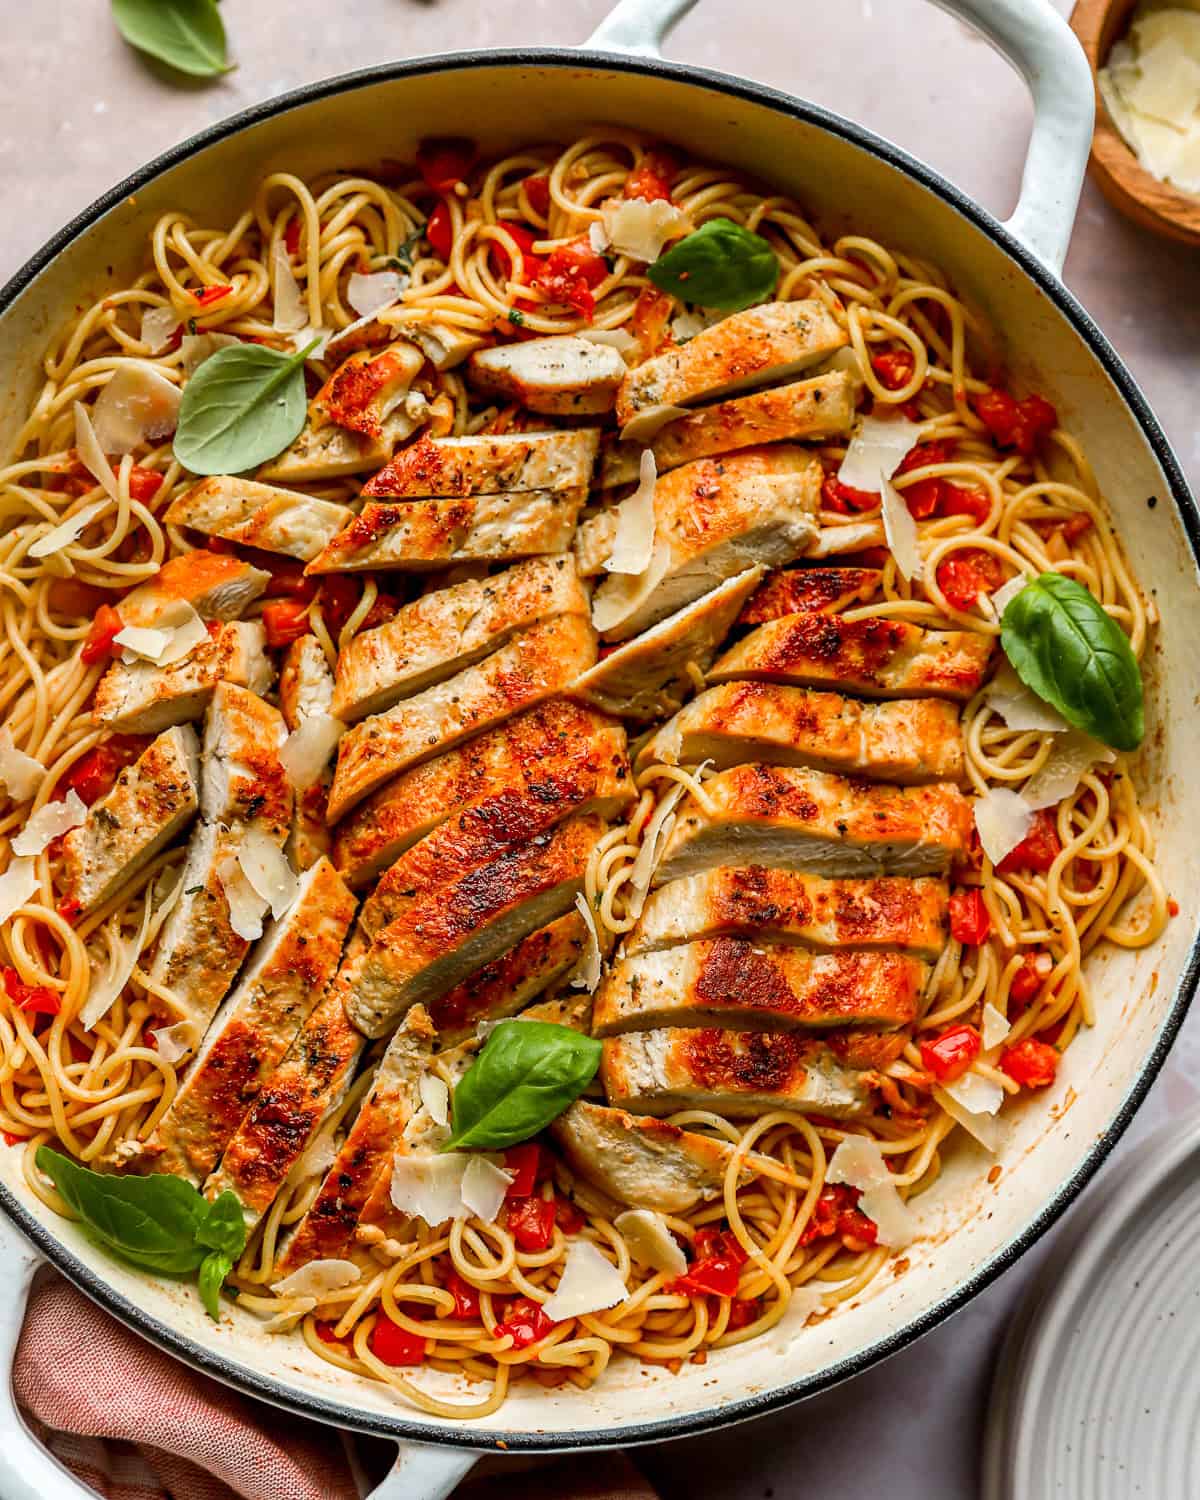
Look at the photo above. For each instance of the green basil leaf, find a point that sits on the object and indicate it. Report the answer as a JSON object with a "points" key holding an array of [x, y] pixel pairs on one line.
{"points": [[223, 1227], [1064, 647], [721, 265], [242, 406], [213, 1270], [187, 34], [526, 1075]]}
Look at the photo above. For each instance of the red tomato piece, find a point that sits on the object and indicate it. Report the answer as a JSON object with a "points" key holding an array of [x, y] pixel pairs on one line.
{"points": [[210, 294], [286, 620], [717, 1266], [70, 912], [837, 1213], [651, 178], [1016, 424], [99, 642], [14, 1140], [291, 237], [386, 607], [924, 499], [466, 1298], [964, 575], [894, 368], [569, 275], [969, 919], [949, 1055], [743, 1310], [339, 596], [288, 580], [444, 162], [144, 484], [38, 998], [567, 1216], [845, 499], [522, 1163], [537, 190], [524, 1322], [956, 501], [325, 1332], [92, 776], [1030, 1063], [531, 1223], [439, 231], [1037, 850], [1027, 981], [923, 455], [395, 1345]]}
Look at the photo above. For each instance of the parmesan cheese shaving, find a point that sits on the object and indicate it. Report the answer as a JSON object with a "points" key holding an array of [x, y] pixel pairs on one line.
{"points": [[633, 543], [994, 1027], [598, 237], [1018, 706], [859, 1163], [284, 1322], [306, 751], [892, 1217], [266, 867], [484, 1185], [619, 595], [197, 347], [589, 1284], [290, 314], [368, 295], [187, 631], [91, 455], [1073, 754], [641, 229], [1007, 592], [985, 1128], [654, 844], [650, 1241], [246, 907], [20, 774], [317, 1159], [649, 422], [67, 531], [1151, 85], [900, 530], [977, 1095], [158, 325], [878, 447], [616, 338], [435, 1097], [103, 988], [50, 823], [586, 975], [429, 1187], [138, 405], [142, 642], [17, 884], [686, 325], [318, 1278], [1002, 819], [173, 1042]]}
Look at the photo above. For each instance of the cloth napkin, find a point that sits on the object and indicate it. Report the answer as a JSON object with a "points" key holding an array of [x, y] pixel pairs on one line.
{"points": [[136, 1425]]}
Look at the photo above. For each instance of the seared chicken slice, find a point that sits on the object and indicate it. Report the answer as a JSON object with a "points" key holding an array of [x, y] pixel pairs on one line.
{"points": [[652, 674], [820, 591], [287, 973], [807, 820], [244, 787], [565, 754], [367, 387], [442, 344], [752, 901], [306, 692], [259, 515], [740, 1074], [639, 1160], [564, 375], [217, 585], [441, 633], [877, 658], [142, 698], [490, 464], [533, 666], [734, 982], [437, 941], [764, 344], [413, 535], [150, 802], [331, 452], [844, 539], [908, 740], [807, 410], [712, 521]]}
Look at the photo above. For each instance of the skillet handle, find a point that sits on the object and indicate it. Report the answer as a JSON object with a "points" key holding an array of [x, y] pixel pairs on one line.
{"points": [[421, 1472]]}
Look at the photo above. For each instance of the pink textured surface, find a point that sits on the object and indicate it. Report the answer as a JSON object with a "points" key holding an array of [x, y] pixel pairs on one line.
{"points": [[87, 111]]}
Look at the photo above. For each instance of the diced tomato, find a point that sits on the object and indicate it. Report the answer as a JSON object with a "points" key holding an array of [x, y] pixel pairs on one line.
{"points": [[954, 500], [325, 1332], [569, 275], [567, 1216], [439, 231], [651, 178], [522, 1163], [531, 1223], [288, 579], [923, 455], [291, 236], [69, 596], [969, 919], [384, 608], [1075, 527], [466, 1298], [949, 1055], [531, 264], [144, 484], [837, 1213], [924, 499], [92, 776], [38, 998], [338, 596], [286, 620], [70, 911], [14, 1140], [1030, 1063], [1027, 981], [524, 1322], [537, 190], [894, 368], [99, 642], [966, 574], [1016, 424], [845, 499], [395, 1345], [716, 1268], [1037, 850], [444, 162], [210, 294], [743, 1310]]}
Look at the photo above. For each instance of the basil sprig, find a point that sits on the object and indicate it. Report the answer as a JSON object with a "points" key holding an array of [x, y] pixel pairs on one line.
{"points": [[721, 265], [526, 1075], [1065, 648], [186, 34], [160, 1223], [243, 405]]}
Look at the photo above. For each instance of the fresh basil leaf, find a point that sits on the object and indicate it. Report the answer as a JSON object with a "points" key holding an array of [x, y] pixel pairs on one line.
{"points": [[1064, 647], [223, 1227], [213, 1270], [526, 1075], [242, 406], [406, 252], [721, 265], [187, 34]]}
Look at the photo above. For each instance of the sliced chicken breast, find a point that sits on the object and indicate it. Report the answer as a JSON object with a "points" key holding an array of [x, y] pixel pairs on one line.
{"points": [[306, 692], [144, 699], [810, 591], [533, 666], [808, 820], [443, 344], [907, 740], [259, 515], [490, 464], [284, 979], [367, 387], [877, 658], [217, 585], [740, 1074], [327, 451], [151, 801], [846, 539], [759, 346], [652, 674], [561, 753], [752, 901], [735, 982], [442, 633], [564, 375]]}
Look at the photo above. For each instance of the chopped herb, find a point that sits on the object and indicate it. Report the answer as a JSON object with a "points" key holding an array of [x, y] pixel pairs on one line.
{"points": [[404, 256], [191, 326], [193, 890], [517, 318]]}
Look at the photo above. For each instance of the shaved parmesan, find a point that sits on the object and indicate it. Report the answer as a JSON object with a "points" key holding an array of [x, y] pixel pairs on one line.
{"points": [[878, 447], [640, 229], [67, 531], [650, 1241], [633, 543], [103, 988], [290, 314], [50, 823], [435, 1097], [266, 867], [686, 325], [138, 405], [142, 641], [900, 530], [17, 884], [977, 1094], [617, 338], [598, 237], [654, 844], [284, 1322], [173, 1042], [892, 1216], [429, 1187], [1018, 706], [306, 751], [1007, 592], [197, 347], [586, 975], [187, 631], [994, 1027], [589, 1284], [802, 1304], [246, 907], [318, 1159], [1074, 754], [648, 423], [20, 774], [859, 1163], [484, 1185], [985, 1128], [318, 1278], [368, 295], [1002, 819], [91, 455], [619, 595], [158, 325]]}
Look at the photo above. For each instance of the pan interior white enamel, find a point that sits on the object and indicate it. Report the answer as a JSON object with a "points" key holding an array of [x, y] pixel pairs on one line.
{"points": [[965, 1221]]}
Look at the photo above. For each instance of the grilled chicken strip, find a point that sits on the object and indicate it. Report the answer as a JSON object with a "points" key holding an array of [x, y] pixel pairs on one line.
{"points": [[639, 1160], [151, 801], [367, 387], [217, 585], [762, 345], [490, 464], [565, 375], [144, 699], [442, 344], [740, 1074], [259, 515], [824, 591], [532, 667], [752, 901], [306, 692], [735, 982], [326, 451], [907, 740], [877, 658], [652, 674], [808, 820], [288, 972], [443, 632], [561, 753]]}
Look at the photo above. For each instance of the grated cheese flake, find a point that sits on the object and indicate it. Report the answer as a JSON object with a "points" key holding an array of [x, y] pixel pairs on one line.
{"points": [[246, 907], [650, 421], [654, 844], [1019, 706], [891, 1215], [1073, 755], [67, 531], [371, 293], [994, 1027], [484, 1185], [173, 1042], [985, 1128], [138, 405], [900, 530], [284, 1322], [589, 1283], [103, 988], [977, 1094], [435, 1097], [142, 642], [307, 750], [640, 229], [616, 338], [20, 774], [587, 971], [878, 447], [650, 1241], [266, 867], [318, 1278], [1007, 592], [91, 455], [429, 1187], [598, 237], [17, 884], [633, 542], [197, 347], [50, 823], [158, 326], [859, 1163], [1002, 819], [620, 594], [290, 314]]}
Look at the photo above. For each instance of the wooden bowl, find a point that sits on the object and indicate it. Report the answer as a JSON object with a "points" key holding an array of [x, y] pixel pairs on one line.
{"points": [[1121, 177]]}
